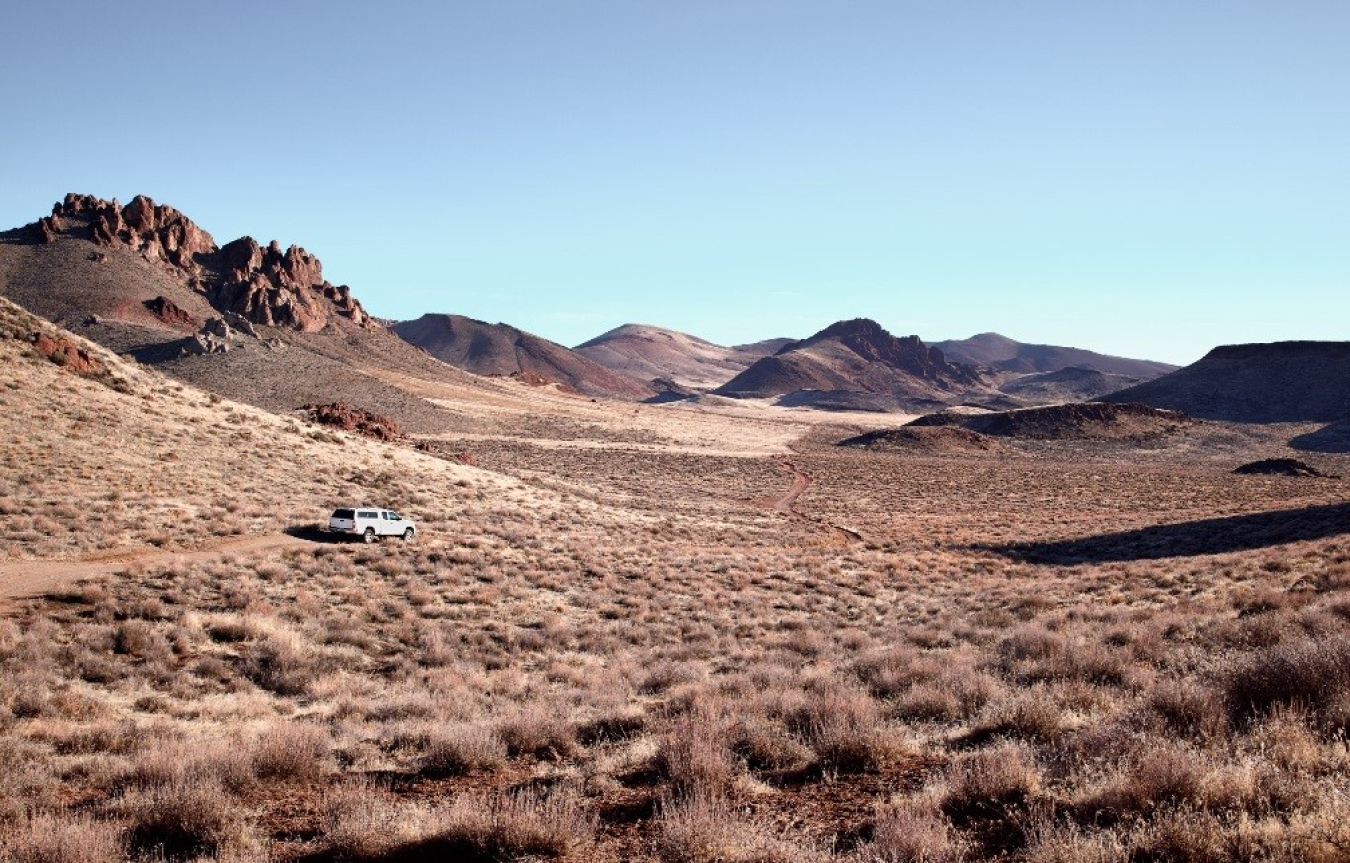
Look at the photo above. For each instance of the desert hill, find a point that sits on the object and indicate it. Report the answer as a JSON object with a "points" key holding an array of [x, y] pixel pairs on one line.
{"points": [[1086, 421], [254, 323], [1071, 384], [857, 356], [1005, 354], [923, 439], [651, 353], [1275, 382], [500, 349]]}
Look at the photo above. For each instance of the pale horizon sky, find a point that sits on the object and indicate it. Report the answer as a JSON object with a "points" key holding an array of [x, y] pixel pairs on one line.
{"points": [[1140, 178]]}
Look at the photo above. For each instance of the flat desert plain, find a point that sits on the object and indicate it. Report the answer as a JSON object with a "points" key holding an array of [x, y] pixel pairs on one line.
{"points": [[638, 632]]}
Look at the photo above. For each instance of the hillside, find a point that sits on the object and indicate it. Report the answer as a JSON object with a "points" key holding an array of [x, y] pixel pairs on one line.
{"points": [[1005, 354], [1072, 384], [651, 353], [254, 323], [1088, 421], [858, 356], [1264, 383], [499, 349]]}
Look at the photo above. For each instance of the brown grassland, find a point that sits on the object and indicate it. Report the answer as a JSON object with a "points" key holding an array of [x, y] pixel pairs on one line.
{"points": [[656, 633]]}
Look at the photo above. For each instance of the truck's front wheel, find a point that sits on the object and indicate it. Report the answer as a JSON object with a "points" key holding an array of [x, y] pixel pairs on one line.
{"points": [[408, 535]]}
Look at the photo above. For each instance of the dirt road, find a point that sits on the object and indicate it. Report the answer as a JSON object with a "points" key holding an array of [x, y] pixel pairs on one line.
{"points": [[24, 579]]}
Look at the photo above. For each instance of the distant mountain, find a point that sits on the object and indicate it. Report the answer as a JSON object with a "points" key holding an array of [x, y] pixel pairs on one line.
{"points": [[1072, 384], [1274, 382], [499, 349], [857, 356], [1005, 354], [651, 353]]}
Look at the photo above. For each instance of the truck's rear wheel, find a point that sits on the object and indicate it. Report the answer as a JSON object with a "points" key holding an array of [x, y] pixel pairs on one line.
{"points": [[408, 535], [369, 535]]}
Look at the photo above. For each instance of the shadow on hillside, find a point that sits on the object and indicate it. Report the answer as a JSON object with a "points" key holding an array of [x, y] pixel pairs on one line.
{"points": [[1334, 437], [1188, 539], [315, 533]]}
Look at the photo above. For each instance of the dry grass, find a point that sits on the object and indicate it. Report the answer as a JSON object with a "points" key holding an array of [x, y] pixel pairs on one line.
{"points": [[610, 645]]}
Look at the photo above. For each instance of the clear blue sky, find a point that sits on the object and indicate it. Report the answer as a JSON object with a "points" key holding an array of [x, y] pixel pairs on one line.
{"points": [[1141, 178]]}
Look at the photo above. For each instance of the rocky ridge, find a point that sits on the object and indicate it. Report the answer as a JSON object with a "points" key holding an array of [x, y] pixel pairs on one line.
{"points": [[264, 285]]}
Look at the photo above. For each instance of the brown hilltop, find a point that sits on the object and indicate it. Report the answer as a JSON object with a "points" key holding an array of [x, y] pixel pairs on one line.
{"points": [[858, 356], [499, 349], [651, 353]]}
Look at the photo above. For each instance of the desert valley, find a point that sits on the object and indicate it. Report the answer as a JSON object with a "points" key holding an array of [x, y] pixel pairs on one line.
{"points": [[849, 597]]}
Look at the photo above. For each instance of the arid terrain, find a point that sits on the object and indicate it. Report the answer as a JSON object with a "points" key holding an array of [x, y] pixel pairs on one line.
{"points": [[694, 631], [636, 632]]}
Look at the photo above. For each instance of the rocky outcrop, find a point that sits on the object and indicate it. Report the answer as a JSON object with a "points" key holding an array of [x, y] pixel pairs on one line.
{"points": [[355, 419], [1282, 467], [158, 232], [67, 354], [1085, 421], [167, 311], [265, 286], [280, 289]]}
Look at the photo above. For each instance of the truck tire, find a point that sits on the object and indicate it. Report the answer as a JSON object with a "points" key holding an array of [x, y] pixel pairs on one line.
{"points": [[369, 535], [408, 535]]}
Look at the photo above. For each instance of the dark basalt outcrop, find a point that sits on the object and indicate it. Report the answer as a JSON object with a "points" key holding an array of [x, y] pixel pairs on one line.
{"points": [[1084, 421], [1282, 467]]}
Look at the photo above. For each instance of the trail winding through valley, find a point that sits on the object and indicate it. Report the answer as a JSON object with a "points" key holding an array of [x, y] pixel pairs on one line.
{"points": [[28, 579]]}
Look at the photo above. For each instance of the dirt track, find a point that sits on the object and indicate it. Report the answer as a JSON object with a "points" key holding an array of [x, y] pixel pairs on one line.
{"points": [[25, 579]]}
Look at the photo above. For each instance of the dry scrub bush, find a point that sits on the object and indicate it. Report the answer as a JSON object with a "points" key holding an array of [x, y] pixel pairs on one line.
{"points": [[457, 748], [184, 821], [1309, 674], [61, 839], [694, 756], [292, 751], [364, 825], [913, 830], [990, 782], [705, 828]]}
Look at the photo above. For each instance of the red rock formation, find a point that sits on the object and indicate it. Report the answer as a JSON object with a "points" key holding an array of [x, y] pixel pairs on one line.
{"points": [[67, 354], [349, 418], [168, 312], [266, 286]]}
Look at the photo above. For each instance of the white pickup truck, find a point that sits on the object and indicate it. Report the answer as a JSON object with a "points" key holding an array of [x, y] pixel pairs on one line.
{"points": [[370, 523]]}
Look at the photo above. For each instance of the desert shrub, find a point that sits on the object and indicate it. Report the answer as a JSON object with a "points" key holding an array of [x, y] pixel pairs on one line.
{"points": [[764, 744], [1190, 709], [1033, 717], [706, 829], [912, 830], [1307, 674], [988, 782], [184, 821], [281, 664], [1195, 837], [1052, 842], [843, 726], [292, 751], [461, 747], [694, 756], [1159, 776], [66, 838], [364, 825], [537, 731]]}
